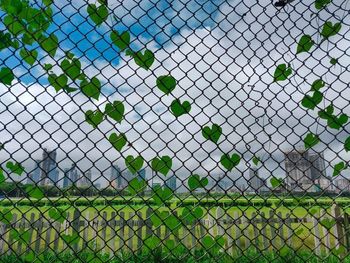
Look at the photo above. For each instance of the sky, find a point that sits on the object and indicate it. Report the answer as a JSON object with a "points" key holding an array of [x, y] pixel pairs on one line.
{"points": [[222, 54]]}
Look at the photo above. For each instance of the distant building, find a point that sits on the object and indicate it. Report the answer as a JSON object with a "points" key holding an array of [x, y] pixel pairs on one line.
{"points": [[255, 183], [305, 171], [117, 180], [49, 172], [85, 179], [34, 177], [71, 176], [221, 184], [171, 182], [342, 185], [141, 175]]}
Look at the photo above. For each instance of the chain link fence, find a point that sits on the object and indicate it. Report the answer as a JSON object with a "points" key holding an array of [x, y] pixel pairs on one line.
{"points": [[167, 131]]}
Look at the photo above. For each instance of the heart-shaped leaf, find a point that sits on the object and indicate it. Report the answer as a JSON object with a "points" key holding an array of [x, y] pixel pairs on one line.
{"points": [[178, 108], [195, 182], [329, 29], [282, 72], [58, 82], [319, 4], [97, 14], [311, 140], [305, 44], [333, 61], [136, 186], [152, 242], [212, 134], [71, 68], [134, 164], [190, 214], [57, 214], [118, 141], [162, 165], [338, 168], [161, 195], [144, 60], [94, 118], [230, 162], [91, 89], [29, 56], [15, 168], [122, 41], [317, 85], [166, 83], [6, 76], [49, 44], [34, 192], [6, 216], [310, 102], [276, 182], [115, 110]]}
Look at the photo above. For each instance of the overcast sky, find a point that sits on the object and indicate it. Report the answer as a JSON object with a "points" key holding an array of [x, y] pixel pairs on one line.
{"points": [[223, 55]]}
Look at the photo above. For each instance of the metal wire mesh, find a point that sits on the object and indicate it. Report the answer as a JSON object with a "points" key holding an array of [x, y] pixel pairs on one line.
{"points": [[167, 131]]}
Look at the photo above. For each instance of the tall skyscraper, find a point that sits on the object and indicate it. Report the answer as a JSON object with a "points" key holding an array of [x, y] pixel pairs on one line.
{"points": [[171, 183], [49, 172], [255, 183], [304, 170], [71, 176], [85, 179], [117, 180], [35, 175]]}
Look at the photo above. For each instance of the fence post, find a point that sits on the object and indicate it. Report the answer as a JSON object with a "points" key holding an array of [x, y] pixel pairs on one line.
{"points": [[338, 230], [316, 234]]}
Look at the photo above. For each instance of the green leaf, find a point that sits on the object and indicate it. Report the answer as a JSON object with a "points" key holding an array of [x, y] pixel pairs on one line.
{"points": [[299, 231], [230, 162], [29, 56], [5, 40], [329, 29], [34, 192], [58, 82], [2, 177], [305, 44], [178, 108], [161, 195], [15, 168], [317, 85], [166, 83], [72, 69], [134, 164], [94, 118], [319, 4], [115, 110], [144, 60], [136, 186], [152, 242], [311, 140], [118, 141], [50, 44], [97, 14], [47, 2], [91, 89], [190, 215], [282, 72], [310, 102], [338, 168], [213, 245], [6, 76], [57, 214], [71, 239], [22, 236], [195, 182], [276, 182], [14, 25], [162, 165], [328, 223], [256, 160], [48, 67], [6, 216], [347, 144], [333, 61], [122, 41], [212, 134]]}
